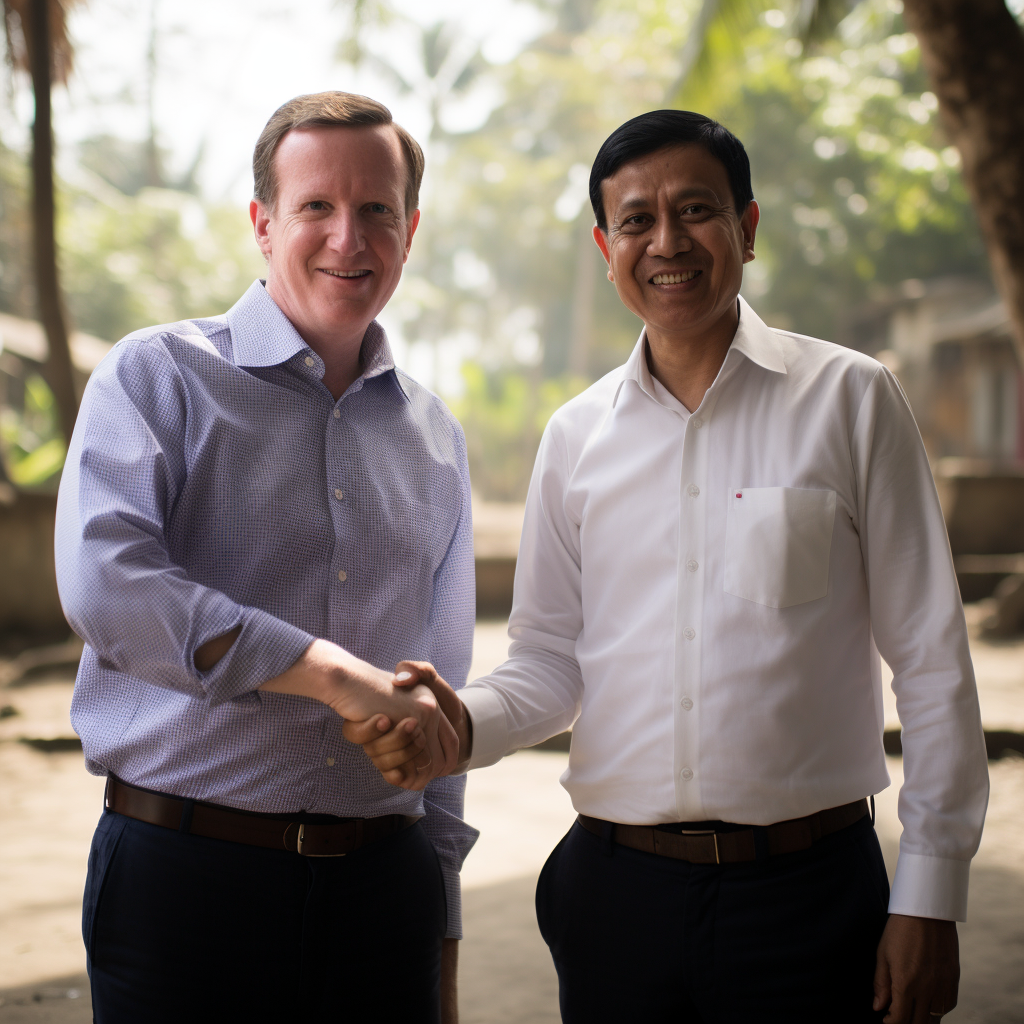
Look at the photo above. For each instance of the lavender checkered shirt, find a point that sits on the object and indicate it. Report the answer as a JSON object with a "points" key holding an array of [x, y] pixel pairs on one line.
{"points": [[213, 481]]}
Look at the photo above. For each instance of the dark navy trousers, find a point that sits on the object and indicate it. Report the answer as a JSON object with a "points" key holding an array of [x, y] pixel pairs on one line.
{"points": [[639, 937], [183, 928]]}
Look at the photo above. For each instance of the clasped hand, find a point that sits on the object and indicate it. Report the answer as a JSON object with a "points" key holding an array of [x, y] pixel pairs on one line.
{"points": [[401, 748], [422, 744]]}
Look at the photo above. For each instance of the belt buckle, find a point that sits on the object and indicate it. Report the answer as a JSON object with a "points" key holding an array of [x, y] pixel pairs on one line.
{"points": [[704, 832], [299, 844]]}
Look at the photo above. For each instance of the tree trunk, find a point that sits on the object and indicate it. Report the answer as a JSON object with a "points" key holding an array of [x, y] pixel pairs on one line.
{"points": [[51, 312], [973, 51]]}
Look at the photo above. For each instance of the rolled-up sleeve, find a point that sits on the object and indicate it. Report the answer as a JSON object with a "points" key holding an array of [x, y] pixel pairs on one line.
{"points": [[120, 590]]}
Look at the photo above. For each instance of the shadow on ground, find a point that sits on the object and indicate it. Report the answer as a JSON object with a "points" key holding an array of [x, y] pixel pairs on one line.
{"points": [[506, 976]]}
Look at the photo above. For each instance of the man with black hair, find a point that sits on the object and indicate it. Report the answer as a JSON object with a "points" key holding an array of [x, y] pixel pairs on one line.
{"points": [[720, 537]]}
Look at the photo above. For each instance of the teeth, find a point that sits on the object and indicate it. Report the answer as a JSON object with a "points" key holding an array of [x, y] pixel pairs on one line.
{"points": [[689, 275], [345, 273]]}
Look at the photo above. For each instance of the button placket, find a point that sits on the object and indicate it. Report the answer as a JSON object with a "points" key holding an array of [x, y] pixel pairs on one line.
{"points": [[689, 613]]}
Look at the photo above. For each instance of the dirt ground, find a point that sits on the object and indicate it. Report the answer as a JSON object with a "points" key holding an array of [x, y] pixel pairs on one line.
{"points": [[49, 806]]}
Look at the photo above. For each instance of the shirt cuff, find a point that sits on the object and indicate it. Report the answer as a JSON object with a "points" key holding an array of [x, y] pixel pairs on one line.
{"points": [[490, 731], [266, 647], [930, 887]]}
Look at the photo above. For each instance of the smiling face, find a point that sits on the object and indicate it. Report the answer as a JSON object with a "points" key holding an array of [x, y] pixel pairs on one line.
{"points": [[675, 244], [338, 233]]}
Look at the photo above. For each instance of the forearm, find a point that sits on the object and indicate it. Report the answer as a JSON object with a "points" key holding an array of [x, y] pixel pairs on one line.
{"points": [[449, 981]]}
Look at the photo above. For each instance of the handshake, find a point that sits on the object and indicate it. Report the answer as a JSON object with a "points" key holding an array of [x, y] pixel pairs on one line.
{"points": [[411, 724], [435, 740]]}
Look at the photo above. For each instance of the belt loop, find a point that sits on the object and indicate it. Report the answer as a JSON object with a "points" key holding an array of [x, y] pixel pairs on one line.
{"points": [[607, 837], [106, 796], [761, 851], [871, 800], [186, 816]]}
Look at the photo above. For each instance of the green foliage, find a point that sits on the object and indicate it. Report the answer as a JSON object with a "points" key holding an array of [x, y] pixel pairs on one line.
{"points": [[858, 189], [504, 414], [33, 444], [156, 257]]}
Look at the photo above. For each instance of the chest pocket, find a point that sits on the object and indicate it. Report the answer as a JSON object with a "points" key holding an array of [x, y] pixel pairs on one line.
{"points": [[777, 544]]}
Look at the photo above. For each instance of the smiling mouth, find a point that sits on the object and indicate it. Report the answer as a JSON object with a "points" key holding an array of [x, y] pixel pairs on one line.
{"points": [[344, 273], [686, 275]]}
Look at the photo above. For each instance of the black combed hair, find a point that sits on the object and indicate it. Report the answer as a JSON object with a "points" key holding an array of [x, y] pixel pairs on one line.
{"points": [[658, 129]]}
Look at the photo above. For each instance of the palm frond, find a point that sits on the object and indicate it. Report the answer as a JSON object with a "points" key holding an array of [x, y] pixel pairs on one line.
{"points": [[18, 33]]}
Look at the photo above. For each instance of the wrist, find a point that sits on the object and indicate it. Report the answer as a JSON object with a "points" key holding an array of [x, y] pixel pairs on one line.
{"points": [[464, 730]]}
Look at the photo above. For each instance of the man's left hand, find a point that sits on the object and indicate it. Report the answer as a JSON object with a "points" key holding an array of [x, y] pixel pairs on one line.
{"points": [[918, 970]]}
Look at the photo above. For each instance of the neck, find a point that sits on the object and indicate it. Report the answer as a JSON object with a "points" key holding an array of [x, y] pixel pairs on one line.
{"points": [[339, 348], [342, 364], [686, 364]]}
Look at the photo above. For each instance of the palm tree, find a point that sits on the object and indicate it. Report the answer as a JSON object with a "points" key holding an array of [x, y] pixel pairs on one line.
{"points": [[37, 42], [973, 52]]}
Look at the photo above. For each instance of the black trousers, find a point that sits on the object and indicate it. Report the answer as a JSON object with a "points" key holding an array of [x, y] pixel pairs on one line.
{"points": [[182, 928], [638, 937]]}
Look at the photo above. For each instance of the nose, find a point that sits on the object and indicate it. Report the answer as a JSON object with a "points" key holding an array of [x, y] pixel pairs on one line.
{"points": [[346, 235], [669, 237]]}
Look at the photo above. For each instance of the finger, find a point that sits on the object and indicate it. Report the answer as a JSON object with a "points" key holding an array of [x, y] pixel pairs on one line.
{"points": [[364, 732], [409, 755], [900, 1009], [883, 983], [406, 734], [400, 778], [408, 673]]}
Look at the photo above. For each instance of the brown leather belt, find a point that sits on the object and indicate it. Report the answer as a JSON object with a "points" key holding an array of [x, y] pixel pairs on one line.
{"points": [[702, 846], [275, 832]]}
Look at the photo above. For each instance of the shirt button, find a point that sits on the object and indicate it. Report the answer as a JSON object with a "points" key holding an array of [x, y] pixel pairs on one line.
{"points": [[339, 493], [692, 566], [689, 633], [693, 490], [698, 423], [686, 774], [309, 361], [687, 704], [330, 762], [342, 575], [337, 414]]}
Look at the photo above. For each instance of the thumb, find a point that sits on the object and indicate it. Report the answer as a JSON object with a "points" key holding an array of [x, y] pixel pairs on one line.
{"points": [[409, 673], [365, 732]]}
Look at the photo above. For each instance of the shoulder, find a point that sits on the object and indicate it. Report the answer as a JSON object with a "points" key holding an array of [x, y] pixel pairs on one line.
{"points": [[166, 346], [573, 422], [808, 357], [433, 418]]}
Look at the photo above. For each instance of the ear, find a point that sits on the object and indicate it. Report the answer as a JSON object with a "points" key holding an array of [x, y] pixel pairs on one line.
{"points": [[260, 217], [414, 223], [601, 238], [748, 225]]}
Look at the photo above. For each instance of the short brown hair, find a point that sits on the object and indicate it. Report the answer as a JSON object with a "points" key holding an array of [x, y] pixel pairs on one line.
{"points": [[329, 110]]}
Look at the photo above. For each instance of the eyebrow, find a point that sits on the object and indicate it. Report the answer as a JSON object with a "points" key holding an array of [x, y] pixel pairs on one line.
{"points": [[637, 202]]}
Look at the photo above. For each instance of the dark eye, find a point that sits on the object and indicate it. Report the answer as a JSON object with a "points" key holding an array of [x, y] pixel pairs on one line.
{"points": [[378, 208], [694, 209], [317, 205]]}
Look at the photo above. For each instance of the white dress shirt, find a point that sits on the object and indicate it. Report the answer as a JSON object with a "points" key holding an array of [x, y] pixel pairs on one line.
{"points": [[704, 596]]}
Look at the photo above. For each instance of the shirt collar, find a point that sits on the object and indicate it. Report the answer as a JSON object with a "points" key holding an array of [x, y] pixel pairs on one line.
{"points": [[753, 339], [261, 335]]}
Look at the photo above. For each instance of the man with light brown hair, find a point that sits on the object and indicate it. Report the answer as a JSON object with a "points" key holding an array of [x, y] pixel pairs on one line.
{"points": [[259, 516]]}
